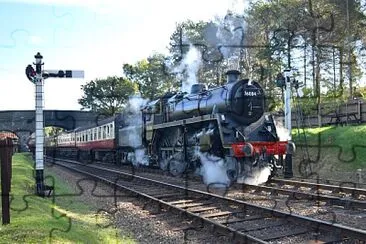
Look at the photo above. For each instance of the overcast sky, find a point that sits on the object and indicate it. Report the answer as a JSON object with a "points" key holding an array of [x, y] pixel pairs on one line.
{"points": [[94, 36]]}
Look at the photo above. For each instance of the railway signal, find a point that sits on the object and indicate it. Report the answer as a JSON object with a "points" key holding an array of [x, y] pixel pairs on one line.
{"points": [[287, 74], [37, 77], [286, 81]]}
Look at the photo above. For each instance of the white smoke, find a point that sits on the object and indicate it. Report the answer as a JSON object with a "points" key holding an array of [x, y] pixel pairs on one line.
{"points": [[133, 118], [134, 105], [213, 170], [282, 132], [188, 68], [256, 177], [239, 6], [141, 157]]}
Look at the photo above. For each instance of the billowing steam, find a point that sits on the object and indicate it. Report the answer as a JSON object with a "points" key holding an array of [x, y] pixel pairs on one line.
{"points": [[282, 132], [140, 157], [188, 68], [213, 170], [256, 177], [227, 36], [133, 116], [134, 105]]}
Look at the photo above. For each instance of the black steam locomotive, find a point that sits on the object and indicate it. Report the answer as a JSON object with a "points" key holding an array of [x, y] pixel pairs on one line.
{"points": [[181, 132]]}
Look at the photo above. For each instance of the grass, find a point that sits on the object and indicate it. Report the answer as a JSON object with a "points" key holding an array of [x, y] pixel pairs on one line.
{"points": [[45, 220], [344, 145]]}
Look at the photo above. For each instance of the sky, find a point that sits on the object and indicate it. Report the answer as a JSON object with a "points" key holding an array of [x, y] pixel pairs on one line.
{"points": [[97, 36]]}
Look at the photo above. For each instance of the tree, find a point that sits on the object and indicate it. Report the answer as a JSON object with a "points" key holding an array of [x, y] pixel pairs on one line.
{"points": [[52, 130], [318, 27], [107, 96], [151, 76]]}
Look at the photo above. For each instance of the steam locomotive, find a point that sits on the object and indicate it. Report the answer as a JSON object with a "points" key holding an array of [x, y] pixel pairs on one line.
{"points": [[179, 132]]}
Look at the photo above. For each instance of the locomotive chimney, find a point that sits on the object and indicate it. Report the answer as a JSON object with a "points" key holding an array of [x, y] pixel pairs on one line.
{"points": [[232, 76]]}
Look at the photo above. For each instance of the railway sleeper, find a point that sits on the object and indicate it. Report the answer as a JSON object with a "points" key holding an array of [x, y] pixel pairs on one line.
{"points": [[190, 205]]}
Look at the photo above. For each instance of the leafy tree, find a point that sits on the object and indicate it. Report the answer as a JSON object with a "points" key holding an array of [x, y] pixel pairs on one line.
{"points": [[314, 26], [151, 76], [52, 131], [107, 96], [325, 31]]}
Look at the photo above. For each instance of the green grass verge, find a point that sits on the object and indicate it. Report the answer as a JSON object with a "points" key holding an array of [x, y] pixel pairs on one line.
{"points": [[45, 220], [345, 145]]}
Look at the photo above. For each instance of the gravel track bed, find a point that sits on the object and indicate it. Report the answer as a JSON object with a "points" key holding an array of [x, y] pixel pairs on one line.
{"points": [[314, 209], [135, 218], [279, 202]]}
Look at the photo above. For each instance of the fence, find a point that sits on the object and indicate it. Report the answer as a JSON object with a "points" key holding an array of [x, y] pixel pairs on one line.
{"points": [[353, 112], [6, 152]]}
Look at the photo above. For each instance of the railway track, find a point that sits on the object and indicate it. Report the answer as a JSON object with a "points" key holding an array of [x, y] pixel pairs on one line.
{"points": [[332, 195], [347, 197], [242, 221], [319, 180]]}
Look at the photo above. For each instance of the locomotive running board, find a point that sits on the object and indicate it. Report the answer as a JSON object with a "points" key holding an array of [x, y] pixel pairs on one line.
{"points": [[193, 120], [213, 117]]}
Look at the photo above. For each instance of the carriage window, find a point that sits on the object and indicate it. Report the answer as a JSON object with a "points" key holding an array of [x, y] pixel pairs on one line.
{"points": [[108, 132], [99, 132], [104, 132]]}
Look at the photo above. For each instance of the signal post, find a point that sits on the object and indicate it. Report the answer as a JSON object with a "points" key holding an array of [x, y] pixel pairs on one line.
{"points": [[285, 82], [37, 77]]}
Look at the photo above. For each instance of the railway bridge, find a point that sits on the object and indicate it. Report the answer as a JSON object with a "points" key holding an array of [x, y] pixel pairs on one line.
{"points": [[22, 122]]}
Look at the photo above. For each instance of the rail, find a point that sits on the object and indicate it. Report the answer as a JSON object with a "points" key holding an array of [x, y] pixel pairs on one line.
{"points": [[224, 215]]}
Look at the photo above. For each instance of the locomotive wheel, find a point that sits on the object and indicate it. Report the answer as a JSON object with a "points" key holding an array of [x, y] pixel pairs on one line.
{"points": [[177, 168]]}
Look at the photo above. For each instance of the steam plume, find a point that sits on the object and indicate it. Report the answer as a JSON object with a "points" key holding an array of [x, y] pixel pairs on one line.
{"points": [[188, 68], [213, 170], [256, 177], [133, 120]]}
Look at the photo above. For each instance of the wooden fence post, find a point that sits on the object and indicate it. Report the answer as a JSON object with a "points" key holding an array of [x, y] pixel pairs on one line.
{"points": [[359, 110], [6, 152]]}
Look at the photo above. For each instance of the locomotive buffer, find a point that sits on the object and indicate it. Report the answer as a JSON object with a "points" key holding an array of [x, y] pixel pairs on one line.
{"points": [[37, 77]]}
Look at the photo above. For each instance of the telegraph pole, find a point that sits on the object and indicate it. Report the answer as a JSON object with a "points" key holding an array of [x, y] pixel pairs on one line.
{"points": [[37, 77]]}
